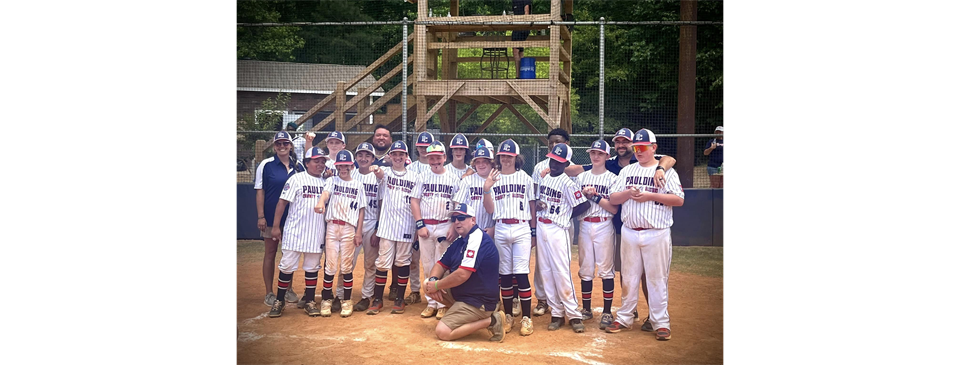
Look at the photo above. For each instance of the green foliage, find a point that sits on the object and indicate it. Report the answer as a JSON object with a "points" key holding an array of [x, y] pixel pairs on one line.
{"points": [[267, 118]]}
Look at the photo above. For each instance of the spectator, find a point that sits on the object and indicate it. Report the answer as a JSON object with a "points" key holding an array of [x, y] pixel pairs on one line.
{"points": [[520, 7], [298, 141], [715, 151]]}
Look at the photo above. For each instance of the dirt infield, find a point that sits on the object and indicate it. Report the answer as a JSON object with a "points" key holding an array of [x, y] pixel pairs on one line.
{"points": [[696, 314]]}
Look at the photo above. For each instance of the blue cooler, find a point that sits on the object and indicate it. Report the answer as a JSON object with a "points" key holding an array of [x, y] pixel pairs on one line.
{"points": [[528, 68]]}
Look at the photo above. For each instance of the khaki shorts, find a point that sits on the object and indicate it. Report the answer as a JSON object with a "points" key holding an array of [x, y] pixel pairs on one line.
{"points": [[462, 313]]}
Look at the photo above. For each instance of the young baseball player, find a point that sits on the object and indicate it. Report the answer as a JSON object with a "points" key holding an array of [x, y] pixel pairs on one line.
{"points": [[400, 210], [559, 200], [303, 232], [646, 246], [471, 190], [336, 142], [459, 155], [596, 232], [439, 187], [421, 166], [347, 201], [371, 186], [508, 195], [541, 169]]}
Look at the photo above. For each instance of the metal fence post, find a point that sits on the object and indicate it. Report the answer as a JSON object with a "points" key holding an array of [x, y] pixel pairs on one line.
{"points": [[601, 74], [403, 97]]}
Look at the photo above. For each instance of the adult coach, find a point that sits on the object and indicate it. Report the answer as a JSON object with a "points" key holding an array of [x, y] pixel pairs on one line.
{"points": [[436, 197], [559, 199], [303, 232], [468, 269], [647, 246], [272, 174], [508, 195], [381, 142], [715, 151]]}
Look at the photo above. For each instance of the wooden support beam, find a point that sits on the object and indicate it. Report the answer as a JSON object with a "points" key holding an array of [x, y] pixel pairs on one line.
{"points": [[536, 108], [527, 123], [362, 95], [555, 10], [375, 106], [495, 44], [492, 117], [553, 102], [440, 103], [497, 38], [363, 102], [421, 122], [340, 113]]}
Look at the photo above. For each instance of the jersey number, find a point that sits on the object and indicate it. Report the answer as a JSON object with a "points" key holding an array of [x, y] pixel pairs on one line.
{"points": [[373, 204], [354, 205], [407, 198], [554, 209], [521, 206]]}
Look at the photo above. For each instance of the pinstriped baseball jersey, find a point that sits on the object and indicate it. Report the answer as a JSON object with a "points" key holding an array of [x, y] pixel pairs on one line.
{"points": [[560, 194], [346, 200], [396, 218], [304, 227], [540, 166], [512, 195], [419, 167], [459, 173], [603, 183], [471, 193], [371, 187], [437, 193], [649, 214]]}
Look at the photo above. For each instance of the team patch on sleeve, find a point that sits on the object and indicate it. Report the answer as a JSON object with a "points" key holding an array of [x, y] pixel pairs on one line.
{"points": [[286, 186], [469, 261], [576, 194]]}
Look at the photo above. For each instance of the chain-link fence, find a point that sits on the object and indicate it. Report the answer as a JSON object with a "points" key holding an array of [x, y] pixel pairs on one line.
{"points": [[337, 65]]}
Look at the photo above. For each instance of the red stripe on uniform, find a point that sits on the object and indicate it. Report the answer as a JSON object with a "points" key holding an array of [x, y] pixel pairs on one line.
{"points": [[444, 266], [311, 282], [402, 281], [524, 294], [607, 295], [347, 284], [470, 269], [506, 293], [587, 295], [281, 284], [327, 285], [380, 280]]}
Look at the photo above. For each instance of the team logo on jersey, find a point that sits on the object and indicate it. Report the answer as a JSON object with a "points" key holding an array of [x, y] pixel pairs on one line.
{"points": [[576, 194], [471, 253], [286, 186]]}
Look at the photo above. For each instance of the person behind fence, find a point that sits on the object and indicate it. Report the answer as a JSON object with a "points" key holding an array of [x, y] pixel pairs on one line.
{"points": [[298, 142], [271, 176], [520, 7], [465, 280], [715, 151]]}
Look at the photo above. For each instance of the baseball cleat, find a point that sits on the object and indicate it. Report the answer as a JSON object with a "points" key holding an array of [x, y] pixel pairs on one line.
{"points": [[586, 313], [325, 307], [555, 323], [516, 307], [412, 298], [441, 312], [347, 308], [277, 309], [647, 326], [507, 323], [393, 293], [336, 305], [616, 327], [541, 308], [496, 326], [635, 315], [428, 312], [310, 308], [375, 307], [398, 306], [577, 325], [362, 305], [291, 297], [606, 320], [269, 299], [526, 326], [663, 334]]}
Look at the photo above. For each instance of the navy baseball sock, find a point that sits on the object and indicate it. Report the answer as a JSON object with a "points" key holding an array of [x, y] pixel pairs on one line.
{"points": [[523, 281], [310, 289], [607, 294], [506, 293], [403, 274], [327, 292], [586, 291], [379, 282], [347, 286], [394, 272], [282, 284]]}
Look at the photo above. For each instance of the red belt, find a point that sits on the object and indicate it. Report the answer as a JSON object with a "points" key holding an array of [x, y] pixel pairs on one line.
{"points": [[544, 220], [511, 221], [342, 223], [434, 221], [639, 229], [596, 219]]}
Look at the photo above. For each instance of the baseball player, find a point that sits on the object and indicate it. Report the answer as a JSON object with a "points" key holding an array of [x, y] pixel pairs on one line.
{"points": [[508, 195], [364, 173], [559, 200], [347, 201], [596, 232], [647, 246], [439, 188], [459, 155], [336, 142], [421, 166], [471, 189], [303, 232], [400, 210]]}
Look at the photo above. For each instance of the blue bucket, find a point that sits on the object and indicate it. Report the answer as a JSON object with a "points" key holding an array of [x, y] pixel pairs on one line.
{"points": [[528, 68]]}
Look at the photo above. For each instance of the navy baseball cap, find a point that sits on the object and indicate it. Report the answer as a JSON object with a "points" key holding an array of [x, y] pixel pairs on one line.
{"points": [[509, 148], [336, 135], [561, 152], [599, 145], [398, 146], [436, 148], [624, 133], [483, 152], [483, 142], [424, 139], [293, 125], [464, 209], [366, 146], [644, 137], [281, 135], [459, 141], [314, 152], [344, 157]]}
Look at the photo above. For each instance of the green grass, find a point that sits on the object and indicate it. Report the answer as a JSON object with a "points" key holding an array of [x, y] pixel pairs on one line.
{"points": [[705, 261]]}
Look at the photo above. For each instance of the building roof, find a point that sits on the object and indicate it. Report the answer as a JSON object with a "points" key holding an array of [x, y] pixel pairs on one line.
{"points": [[305, 78]]}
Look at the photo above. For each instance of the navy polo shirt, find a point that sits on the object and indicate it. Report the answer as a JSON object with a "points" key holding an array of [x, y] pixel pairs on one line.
{"points": [[475, 253], [271, 176], [716, 156]]}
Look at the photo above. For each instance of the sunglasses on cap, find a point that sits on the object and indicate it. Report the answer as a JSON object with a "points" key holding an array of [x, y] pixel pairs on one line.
{"points": [[642, 148], [461, 218], [281, 143]]}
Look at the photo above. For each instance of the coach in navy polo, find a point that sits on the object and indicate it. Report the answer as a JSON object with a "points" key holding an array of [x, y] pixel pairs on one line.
{"points": [[470, 270]]}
